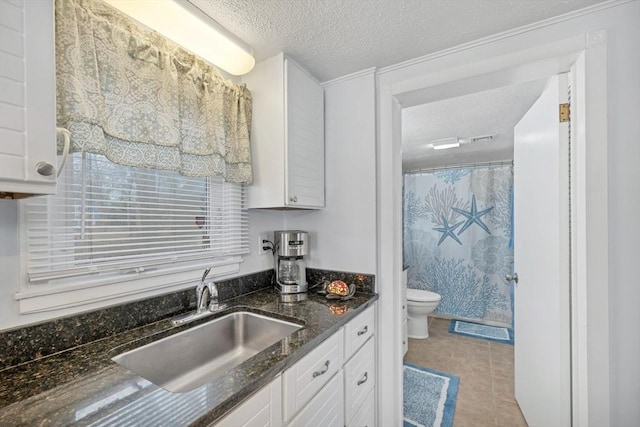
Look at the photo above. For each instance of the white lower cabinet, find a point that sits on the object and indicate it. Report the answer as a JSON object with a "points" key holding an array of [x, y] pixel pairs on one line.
{"points": [[262, 409], [325, 409], [359, 379], [303, 381], [366, 415]]}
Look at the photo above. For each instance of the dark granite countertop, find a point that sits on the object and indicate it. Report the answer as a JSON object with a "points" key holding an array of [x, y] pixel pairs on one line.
{"points": [[83, 386]]}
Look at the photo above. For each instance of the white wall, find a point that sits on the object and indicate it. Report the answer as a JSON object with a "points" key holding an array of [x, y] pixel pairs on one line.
{"points": [[343, 234], [615, 402]]}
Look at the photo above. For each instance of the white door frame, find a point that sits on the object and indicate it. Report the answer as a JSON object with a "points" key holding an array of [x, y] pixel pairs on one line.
{"points": [[506, 59]]}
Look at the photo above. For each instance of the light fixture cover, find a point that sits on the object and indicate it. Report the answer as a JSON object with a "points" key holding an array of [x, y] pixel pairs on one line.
{"points": [[186, 25], [443, 144]]}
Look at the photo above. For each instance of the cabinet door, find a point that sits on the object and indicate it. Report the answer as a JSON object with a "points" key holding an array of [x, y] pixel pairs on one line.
{"points": [[27, 98], [262, 409], [304, 116], [325, 409], [366, 415], [359, 378], [303, 381]]}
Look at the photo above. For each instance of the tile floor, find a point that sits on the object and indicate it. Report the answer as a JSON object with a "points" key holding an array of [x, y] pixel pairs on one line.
{"points": [[486, 392]]}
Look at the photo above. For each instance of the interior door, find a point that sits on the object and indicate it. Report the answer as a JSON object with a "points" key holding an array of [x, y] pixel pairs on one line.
{"points": [[542, 260]]}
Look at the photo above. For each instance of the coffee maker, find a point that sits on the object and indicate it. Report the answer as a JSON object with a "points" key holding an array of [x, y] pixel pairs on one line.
{"points": [[290, 248]]}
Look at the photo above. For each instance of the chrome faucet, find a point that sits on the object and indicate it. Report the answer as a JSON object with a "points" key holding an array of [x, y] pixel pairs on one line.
{"points": [[207, 291], [200, 290], [214, 305], [206, 301], [202, 294]]}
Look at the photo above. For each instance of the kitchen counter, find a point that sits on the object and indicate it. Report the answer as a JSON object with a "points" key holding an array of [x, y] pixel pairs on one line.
{"points": [[83, 386]]}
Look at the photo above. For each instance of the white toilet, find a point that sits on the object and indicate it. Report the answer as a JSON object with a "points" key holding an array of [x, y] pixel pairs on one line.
{"points": [[419, 304]]}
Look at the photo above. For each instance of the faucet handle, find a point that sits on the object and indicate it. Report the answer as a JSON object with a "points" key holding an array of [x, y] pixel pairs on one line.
{"points": [[214, 305], [213, 289], [204, 275]]}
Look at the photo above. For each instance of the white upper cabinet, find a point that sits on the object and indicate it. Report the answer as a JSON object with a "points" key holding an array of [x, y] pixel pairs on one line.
{"points": [[287, 136], [27, 98]]}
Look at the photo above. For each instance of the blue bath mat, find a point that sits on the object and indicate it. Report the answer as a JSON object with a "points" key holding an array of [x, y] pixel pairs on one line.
{"points": [[476, 330], [429, 397]]}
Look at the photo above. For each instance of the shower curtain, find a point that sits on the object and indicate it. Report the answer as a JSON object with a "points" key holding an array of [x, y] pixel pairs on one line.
{"points": [[458, 240]]}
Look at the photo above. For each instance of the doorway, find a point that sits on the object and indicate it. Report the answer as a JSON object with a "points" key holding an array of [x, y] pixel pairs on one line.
{"points": [[466, 267], [441, 78], [491, 116]]}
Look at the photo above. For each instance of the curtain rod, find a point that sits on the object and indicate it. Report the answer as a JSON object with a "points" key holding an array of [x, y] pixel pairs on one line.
{"points": [[460, 166]]}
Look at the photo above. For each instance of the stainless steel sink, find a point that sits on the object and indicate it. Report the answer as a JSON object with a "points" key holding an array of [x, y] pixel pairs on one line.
{"points": [[189, 359]]}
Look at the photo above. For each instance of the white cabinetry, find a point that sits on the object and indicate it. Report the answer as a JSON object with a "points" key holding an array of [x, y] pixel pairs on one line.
{"points": [[359, 379], [27, 98], [287, 136], [262, 409], [325, 410], [303, 381], [358, 331], [360, 370]]}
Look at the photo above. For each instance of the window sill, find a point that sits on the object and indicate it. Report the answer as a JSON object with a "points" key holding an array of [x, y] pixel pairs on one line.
{"points": [[44, 298]]}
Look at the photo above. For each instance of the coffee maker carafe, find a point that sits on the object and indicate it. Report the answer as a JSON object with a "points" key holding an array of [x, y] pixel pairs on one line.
{"points": [[290, 248]]}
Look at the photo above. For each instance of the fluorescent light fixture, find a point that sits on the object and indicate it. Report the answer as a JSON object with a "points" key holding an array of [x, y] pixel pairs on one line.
{"points": [[186, 25], [443, 144]]}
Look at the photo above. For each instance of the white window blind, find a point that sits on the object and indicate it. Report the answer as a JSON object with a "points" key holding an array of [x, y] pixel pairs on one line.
{"points": [[113, 219]]}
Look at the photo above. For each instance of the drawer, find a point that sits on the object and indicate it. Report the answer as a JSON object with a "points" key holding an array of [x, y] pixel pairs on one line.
{"points": [[359, 378], [366, 414], [303, 380], [262, 409], [358, 331], [325, 409]]}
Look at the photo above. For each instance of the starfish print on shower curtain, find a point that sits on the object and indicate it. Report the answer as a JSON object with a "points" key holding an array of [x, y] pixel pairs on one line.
{"points": [[473, 216], [448, 231]]}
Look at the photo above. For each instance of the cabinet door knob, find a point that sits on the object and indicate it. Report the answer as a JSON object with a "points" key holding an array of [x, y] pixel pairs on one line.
{"points": [[363, 330], [293, 199], [45, 168]]}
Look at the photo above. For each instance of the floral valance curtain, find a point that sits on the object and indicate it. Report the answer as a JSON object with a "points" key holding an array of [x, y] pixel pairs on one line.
{"points": [[141, 100]]}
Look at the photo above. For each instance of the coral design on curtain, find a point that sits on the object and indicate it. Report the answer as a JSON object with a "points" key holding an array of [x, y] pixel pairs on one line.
{"points": [[140, 100], [457, 230]]}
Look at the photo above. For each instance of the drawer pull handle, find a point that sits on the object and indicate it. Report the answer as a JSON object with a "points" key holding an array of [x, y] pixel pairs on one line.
{"points": [[363, 330], [322, 371], [364, 379]]}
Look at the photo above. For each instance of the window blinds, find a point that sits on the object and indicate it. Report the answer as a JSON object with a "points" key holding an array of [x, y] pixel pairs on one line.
{"points": [[109, 218]]}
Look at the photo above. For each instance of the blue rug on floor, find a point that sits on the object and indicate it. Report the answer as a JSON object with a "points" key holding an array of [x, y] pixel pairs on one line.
{"points": [[476, 330], [429, 397]]}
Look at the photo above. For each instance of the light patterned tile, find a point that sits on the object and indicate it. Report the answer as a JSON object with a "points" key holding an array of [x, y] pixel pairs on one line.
{"points": [[485, 368], [504, 389], [508, 415]]}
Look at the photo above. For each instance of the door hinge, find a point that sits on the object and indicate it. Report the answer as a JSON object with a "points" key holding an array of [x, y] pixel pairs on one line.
{"points": [[564, 112]]}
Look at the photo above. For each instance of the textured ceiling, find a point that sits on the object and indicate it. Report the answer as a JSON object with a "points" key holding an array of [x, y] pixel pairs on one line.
{"points": [[332, 38], [490, 112]]}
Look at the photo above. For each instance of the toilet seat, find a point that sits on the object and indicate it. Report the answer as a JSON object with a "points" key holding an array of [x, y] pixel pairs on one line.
{"points": [[419, 295]]}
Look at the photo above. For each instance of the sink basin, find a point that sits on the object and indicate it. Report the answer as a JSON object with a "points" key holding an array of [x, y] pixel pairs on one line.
{"points": [[189, 359]]}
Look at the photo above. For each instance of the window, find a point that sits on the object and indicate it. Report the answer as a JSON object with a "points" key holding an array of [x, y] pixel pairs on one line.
{"points": [[109, 223]]}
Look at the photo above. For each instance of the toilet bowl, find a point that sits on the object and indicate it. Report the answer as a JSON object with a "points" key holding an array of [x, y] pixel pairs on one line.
{"points": [[420, 303]]}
